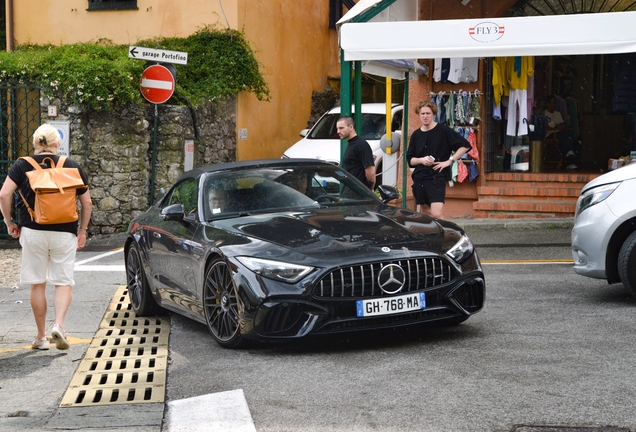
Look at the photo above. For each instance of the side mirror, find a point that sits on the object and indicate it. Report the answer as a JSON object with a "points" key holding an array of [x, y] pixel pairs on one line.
{"points": [[174, 212], [388, 193], [304, 132]]}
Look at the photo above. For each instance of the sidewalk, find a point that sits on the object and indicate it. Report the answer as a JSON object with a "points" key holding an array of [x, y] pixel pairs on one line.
{"points": [[33, 383]]}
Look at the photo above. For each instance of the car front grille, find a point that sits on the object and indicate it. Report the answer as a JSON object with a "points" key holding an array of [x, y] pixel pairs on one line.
{"points": [[360, 281]]}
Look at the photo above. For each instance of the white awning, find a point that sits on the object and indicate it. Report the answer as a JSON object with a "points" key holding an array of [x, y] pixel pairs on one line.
{"points": [[600, 33], [397, 11], [360, 7]]}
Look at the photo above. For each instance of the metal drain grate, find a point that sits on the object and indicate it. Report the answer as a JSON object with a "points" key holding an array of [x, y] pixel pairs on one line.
{"points": [[126, 362]]}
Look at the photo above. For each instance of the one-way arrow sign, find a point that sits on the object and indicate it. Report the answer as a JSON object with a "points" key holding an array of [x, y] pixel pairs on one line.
{"points": [[161, 56]]}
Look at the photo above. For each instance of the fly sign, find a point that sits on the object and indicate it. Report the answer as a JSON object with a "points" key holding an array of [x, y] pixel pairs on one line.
{"points": [[486, 32]]}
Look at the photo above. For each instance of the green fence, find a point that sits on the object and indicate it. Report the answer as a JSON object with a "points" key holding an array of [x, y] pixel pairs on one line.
{"points": [[20, 117]]}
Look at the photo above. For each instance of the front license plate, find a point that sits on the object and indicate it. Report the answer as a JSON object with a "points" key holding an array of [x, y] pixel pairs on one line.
{"points": [[391, 305]]}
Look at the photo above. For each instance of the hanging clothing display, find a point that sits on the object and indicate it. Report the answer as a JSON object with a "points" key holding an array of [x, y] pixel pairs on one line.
{"points": [[518, 70], [499, 85], [456, 70], [450, 110], [517, 113], [470, 69], [440, 117], [457, 108]]}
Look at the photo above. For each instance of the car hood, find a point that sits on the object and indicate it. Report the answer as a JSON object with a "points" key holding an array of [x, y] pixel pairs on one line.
{"points": [[335, 233], [621, 174], [323, 149]]}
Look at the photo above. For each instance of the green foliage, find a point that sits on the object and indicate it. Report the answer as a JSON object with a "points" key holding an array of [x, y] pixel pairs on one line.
{"points": [[100, 75], [219, 63]]}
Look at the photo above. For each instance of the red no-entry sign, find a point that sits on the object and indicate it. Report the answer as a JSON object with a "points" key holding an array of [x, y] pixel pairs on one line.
{"points": [[157, 84]]}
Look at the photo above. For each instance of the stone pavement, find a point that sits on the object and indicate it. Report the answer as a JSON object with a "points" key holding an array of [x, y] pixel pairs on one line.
{"points": [[33, 383]]}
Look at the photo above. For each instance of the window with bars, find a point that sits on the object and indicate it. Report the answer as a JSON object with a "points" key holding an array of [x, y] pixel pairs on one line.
{"points": [[112, 5]]}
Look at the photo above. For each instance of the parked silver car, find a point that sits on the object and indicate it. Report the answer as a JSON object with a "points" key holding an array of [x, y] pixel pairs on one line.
{"points": [[604, 233]]}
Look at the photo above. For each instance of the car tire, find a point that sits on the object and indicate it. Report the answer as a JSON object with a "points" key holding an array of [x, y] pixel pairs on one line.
{"points": [[220, 305], [627, 264], [139, 295]]}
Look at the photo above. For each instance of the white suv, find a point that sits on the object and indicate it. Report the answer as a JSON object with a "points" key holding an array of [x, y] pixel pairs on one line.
{"points": [[604, 233], [322, 141]]}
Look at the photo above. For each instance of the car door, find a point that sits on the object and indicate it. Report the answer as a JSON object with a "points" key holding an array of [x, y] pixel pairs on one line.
{"points": [[171, 244]]}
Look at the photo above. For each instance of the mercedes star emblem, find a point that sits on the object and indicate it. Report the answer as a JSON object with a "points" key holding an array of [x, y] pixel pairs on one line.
{"points": [[391, 278]]}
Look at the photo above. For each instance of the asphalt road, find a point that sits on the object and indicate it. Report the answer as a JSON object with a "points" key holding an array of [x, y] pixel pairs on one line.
{"points": [[551, 351], [550, 348]]}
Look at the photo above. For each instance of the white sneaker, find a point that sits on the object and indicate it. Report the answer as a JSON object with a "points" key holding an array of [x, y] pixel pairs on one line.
{"points": [[571, 167], [41, 344], [570, 153], [59, 336]]}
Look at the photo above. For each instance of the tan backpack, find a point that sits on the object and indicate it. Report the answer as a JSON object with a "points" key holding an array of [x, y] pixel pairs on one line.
{"points": [[54, 188]]}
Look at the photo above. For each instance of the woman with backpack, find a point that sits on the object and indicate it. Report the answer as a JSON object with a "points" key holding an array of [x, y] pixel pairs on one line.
{"points": [[48, 249]]}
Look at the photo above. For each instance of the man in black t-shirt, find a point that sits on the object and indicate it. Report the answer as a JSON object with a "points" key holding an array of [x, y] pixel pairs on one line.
{"points": [[433, 148], [358, 157]]}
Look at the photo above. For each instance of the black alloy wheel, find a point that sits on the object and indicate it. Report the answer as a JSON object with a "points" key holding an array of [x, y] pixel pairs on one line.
{"points": [[139, 294], [220, 304]]}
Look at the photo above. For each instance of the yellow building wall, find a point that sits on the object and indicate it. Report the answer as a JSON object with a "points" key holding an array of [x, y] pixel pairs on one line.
{"points": [[291, 39], [68, 21], [298, 52]]}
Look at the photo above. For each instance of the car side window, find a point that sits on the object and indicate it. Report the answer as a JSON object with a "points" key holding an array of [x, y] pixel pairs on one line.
{"points": [[326, 128], [185, 193]]}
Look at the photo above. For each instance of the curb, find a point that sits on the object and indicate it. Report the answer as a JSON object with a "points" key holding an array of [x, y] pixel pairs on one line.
{"points": [[516, 224]]}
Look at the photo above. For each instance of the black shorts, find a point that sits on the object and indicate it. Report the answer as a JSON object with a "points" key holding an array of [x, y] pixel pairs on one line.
{"points": [[429, 191]]}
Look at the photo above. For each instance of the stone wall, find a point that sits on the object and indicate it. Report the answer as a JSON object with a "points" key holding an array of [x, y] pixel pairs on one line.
{"points": [[115, 149]]}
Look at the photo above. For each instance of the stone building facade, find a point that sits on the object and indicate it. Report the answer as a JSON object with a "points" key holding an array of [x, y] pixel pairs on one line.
{"points": [[115, 149]]}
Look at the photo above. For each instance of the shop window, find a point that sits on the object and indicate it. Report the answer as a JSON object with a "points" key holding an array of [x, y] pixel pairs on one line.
{"points": [[112, 5]]}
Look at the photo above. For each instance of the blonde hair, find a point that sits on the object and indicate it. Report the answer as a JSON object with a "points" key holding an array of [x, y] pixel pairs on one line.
{"points": [[45, 136]]}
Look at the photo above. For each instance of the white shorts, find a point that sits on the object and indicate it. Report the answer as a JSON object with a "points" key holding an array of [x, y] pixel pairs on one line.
{"points": [[47, 256]]}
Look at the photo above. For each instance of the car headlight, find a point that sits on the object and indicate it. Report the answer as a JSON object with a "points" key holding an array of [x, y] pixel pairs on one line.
{"points": [[595, 196], [462, 250], [277, 270]]}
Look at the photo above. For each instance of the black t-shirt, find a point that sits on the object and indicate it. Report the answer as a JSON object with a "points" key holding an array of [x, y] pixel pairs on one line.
{"points": [[17, 173], [438, 142], [358, 156]]}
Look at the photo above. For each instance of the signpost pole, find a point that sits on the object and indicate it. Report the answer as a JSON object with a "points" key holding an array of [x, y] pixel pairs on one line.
{"points": [[154, 158], [157, 86]]}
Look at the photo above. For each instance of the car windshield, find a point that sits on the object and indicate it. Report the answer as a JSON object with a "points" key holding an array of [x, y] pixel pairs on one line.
{"points": [[373, 127], [285, 188]]}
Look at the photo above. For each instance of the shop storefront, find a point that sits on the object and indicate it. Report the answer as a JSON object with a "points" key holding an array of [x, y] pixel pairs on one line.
{"points": [[584, 62]]}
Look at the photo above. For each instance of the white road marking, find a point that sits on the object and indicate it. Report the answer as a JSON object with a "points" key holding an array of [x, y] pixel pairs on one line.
{"points": [[96, 257], [104, 268], [231, 413], [81, 267]]}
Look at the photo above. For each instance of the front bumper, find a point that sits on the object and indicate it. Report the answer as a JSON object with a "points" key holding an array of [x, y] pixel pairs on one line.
{"points": [[590, 237], [293, 318]]}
